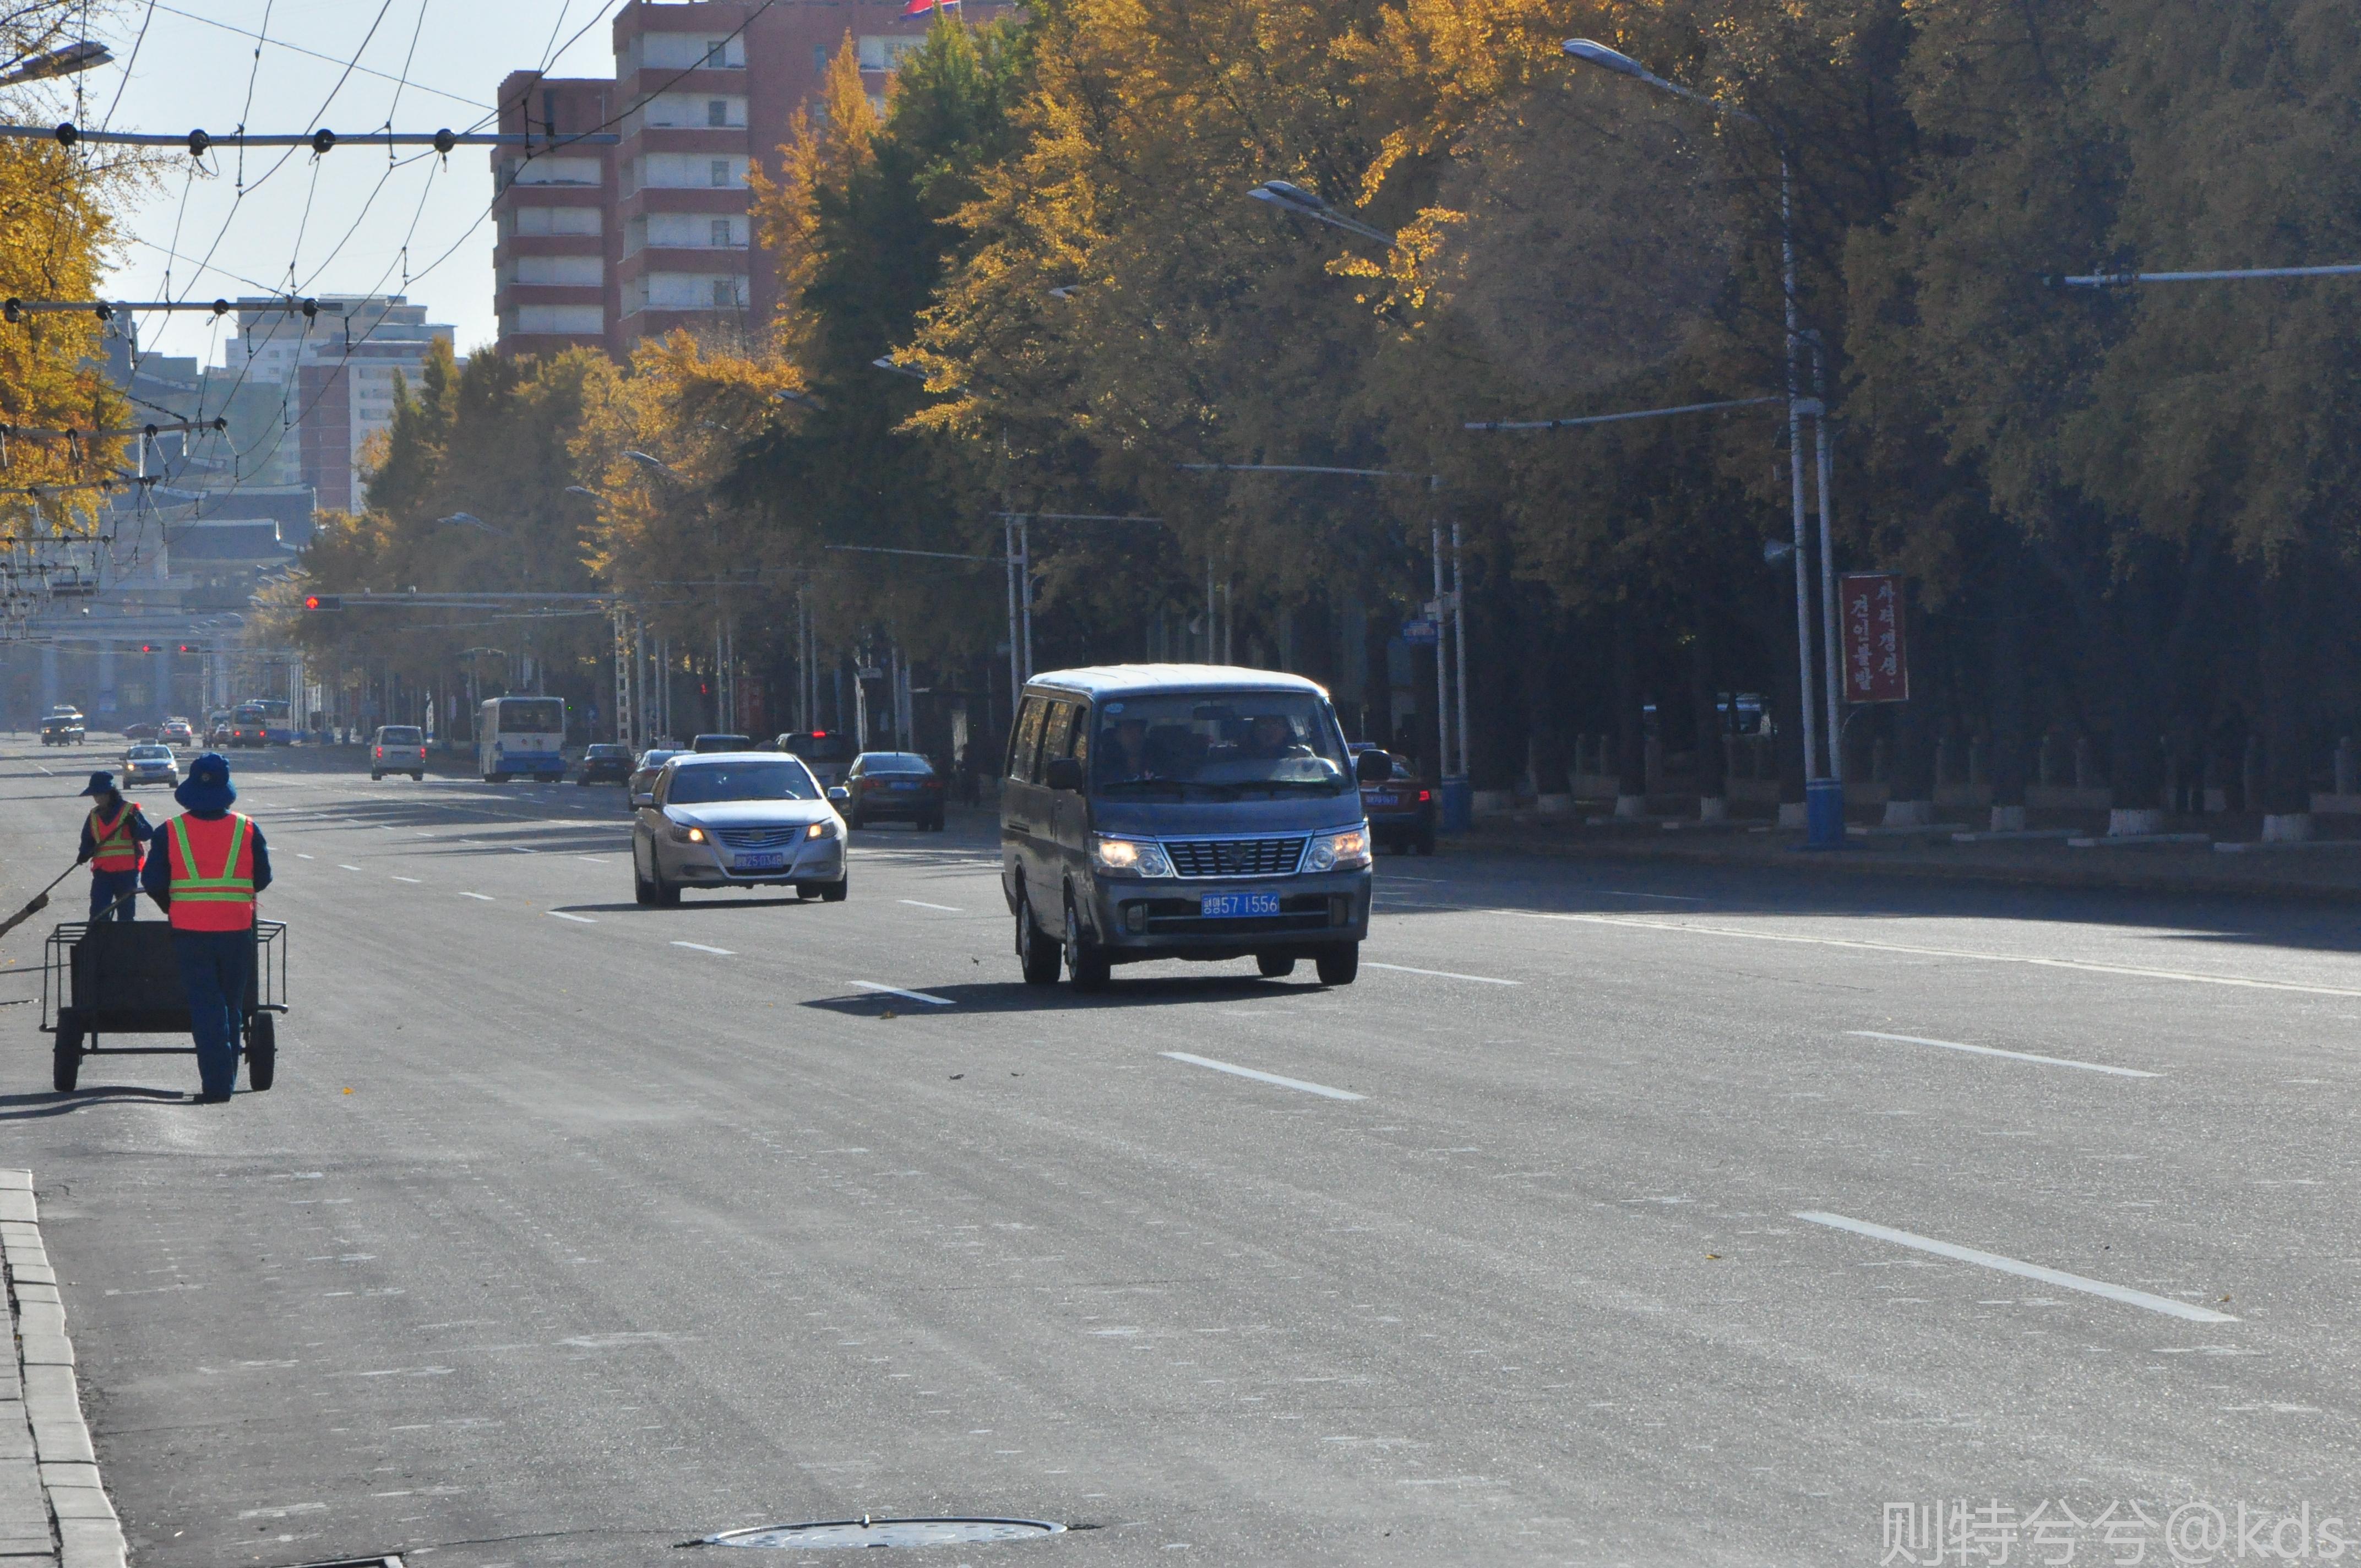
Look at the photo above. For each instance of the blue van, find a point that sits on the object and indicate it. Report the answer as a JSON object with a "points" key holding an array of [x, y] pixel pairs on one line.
{"points": [[1183, 811]]}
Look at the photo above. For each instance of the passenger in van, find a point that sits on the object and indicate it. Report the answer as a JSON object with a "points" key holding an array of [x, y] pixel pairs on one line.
{"points": [[1125, 750], [1271, 736]]}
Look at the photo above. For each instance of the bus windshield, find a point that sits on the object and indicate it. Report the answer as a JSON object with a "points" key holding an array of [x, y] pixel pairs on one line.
{"points": [[1227, 745], [532, 715]]}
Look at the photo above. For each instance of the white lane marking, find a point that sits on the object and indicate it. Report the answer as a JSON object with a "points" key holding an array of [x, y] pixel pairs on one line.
{"points": [[592, 858], [411, 879], [577, 919], [45, 770], [2086, 966], [1439, 973], [519, 848], [922, 904], [342, 867], [301, 855], [913, 996], [485, 897], [1665, 897], [1321, 1089], [2013, 1056], [2057, 1276], [701, 947]]}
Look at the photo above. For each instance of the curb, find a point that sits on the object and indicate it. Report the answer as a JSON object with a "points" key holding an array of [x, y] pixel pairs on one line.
{"points": [[86, 1532]]}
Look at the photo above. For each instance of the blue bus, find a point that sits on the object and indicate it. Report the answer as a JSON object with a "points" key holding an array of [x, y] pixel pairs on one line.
{"points": [[520, 735]]}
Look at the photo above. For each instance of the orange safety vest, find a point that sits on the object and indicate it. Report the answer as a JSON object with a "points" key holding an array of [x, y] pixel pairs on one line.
{"points": [[117, 849], [224, 902]]}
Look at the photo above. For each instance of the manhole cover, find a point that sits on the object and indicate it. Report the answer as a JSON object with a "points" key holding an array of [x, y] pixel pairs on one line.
{"points": [[869, 1532]]}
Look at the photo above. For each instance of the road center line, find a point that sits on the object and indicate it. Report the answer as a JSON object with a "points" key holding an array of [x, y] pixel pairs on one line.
{"points": [[485, 897], [1439, 973], [701, 947], [913, 996], [411, 879], [301, 855], [2057, 1276], [342, 867], [922, 904], [2013, 1056], [577, 919], [2086, 966], [1233, 1068]]}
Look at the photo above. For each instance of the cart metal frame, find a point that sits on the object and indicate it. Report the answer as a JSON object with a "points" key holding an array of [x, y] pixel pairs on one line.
{"points": [[115, 977]]}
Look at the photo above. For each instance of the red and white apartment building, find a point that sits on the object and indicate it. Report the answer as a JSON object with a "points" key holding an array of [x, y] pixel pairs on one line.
{"points": [[610, 245]]}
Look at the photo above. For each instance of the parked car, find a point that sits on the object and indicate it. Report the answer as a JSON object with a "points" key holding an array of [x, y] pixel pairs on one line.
{"points": [[707, 745], [894, 786], [605, 762], [736, 819], [150, 762], [825, 754], [142, 731], [397, 748], [1400, 810], [176, 732], [651, 762], [1161, 811], [61, 728]]}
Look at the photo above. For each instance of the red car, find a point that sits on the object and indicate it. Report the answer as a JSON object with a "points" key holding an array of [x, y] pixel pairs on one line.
{"points": [[894, 786]]}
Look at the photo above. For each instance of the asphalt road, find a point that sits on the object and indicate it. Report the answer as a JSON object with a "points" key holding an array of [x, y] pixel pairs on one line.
{"points": [[574, 1230]]}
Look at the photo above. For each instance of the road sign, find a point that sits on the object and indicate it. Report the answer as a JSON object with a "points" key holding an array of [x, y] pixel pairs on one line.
{"points": [[1422, 633], [1876, 653]]}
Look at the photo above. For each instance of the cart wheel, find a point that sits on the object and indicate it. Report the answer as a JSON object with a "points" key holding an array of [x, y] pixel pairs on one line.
{"points": [[261, 1051], [65, 1064]]}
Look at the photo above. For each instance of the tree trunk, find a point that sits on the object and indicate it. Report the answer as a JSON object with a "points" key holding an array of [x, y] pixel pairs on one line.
{"points": [[1712, 772], [2288, 688], [1631, 741], [1539, 664], [2009, 757]]}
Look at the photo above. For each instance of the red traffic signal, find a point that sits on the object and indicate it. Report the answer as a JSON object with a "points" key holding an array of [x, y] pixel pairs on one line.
{"points": [[324, 601], [146, 647]]}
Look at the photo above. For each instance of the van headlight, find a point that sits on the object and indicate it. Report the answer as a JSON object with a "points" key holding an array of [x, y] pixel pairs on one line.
{"points": [[1142, 857], [1344, 851]]}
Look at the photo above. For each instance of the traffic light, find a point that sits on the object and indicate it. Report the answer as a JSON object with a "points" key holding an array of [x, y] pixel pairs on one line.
{"points": [[324, 601], [146, 647], [188, 647]]}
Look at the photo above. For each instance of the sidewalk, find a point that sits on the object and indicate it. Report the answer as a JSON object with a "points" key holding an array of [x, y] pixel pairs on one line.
{"points": [[2328, 871], [53, 1512]]}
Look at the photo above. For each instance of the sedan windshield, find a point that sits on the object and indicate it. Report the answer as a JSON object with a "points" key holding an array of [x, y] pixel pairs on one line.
{"points": [[1227, 745], [150, 754], [785, 779]]}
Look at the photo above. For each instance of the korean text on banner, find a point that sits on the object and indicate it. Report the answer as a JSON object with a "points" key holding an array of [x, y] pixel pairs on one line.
{"points": [[1876, 655]]}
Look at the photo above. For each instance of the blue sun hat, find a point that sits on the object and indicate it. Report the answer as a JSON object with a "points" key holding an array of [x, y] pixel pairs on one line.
{"points": [[101, 783], [207, 787]]}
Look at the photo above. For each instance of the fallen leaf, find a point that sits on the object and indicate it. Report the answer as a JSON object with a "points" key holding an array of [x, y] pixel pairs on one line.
{"points": [[959, 1075], [1713, 1257]]}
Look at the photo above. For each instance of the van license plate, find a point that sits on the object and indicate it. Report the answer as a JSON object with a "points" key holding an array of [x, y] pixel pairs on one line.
{"points": [[1236, 906], [761, 862]]}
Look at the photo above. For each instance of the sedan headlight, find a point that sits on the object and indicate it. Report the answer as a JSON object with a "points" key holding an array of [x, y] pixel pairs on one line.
{"points": [[1345, 851], [686, 833], [1128, 857], [823, 829]]}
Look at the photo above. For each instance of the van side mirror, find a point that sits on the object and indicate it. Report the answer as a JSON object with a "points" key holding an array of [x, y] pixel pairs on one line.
{"points": [[1374, 767], [1065, 773]]}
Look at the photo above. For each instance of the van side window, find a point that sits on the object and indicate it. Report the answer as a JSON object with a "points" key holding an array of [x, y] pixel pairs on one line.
{"points": [[1056, 738], [1027, 740]]}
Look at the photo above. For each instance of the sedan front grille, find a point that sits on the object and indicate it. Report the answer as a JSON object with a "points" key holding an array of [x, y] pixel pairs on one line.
{"points": [[1234, 857], [758, 837]]}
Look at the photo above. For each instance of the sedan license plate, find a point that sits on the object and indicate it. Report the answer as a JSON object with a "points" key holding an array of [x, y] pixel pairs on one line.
{"points": [[902, 786], [763, 863], [1381, 800], [1236, 906]]}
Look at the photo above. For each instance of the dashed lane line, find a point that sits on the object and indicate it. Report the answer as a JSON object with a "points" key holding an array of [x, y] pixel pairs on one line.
{"points": [[482, 897], [1438, 973], [701, 947], [2023, 1270], [577, 919], [342, 867], [1233, 1068], [409, 878], [913, 996], [1996, 1051], [922, 904]]}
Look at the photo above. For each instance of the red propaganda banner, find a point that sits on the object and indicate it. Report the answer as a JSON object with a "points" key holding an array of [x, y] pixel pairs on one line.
{"points": [[1876, 658]]}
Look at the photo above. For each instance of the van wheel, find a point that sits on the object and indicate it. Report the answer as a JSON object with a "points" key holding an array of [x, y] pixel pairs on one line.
{"points": [[1086, 961], [1273, 967], [1036, 954], [1341, 966]]}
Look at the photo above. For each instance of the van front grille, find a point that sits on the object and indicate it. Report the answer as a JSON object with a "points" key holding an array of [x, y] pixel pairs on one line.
{"points": [[1234, 857]]}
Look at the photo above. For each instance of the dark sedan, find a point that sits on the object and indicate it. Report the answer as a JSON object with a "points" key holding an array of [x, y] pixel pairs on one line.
{"points": [[1400, 810], [895, 786], [605, 762]]}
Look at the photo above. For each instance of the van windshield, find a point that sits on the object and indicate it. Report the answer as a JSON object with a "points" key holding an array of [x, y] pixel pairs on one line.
{"points": [[1229, 745]]}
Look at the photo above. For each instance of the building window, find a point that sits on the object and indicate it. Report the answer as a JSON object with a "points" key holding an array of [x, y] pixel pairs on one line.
{"points": [[721, 233], [724, 294], [717, 112], [718, 170], [717, 54], [819, 60]]}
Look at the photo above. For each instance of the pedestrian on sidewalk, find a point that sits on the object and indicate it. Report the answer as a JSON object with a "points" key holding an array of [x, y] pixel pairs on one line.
{"points": [[214, 864], [113, 841]]}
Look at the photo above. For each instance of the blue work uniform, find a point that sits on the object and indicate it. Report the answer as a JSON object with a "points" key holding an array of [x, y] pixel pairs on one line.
{"points": [[216, 967]]}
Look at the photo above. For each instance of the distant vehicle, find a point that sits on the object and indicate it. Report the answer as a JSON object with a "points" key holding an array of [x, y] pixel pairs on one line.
{"points": [[827, 755], [1400, 810], [142, 731], [895, 786], [62, 730], [250, 726], [520, 735], [397, 748], [150, 763], [605, 762], [736, 819], [1176, 811], [277, 717], [176, 732], [651, 762], [705, 745], [217, 727]]}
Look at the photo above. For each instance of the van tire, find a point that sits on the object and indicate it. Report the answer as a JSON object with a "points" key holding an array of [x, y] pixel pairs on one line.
{"points": [[1273, 967], [1036, 954], [1340, 966], [1086, 963]]}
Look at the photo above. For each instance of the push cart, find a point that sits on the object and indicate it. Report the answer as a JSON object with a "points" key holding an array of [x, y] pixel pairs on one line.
{"points": [[120, 977]]}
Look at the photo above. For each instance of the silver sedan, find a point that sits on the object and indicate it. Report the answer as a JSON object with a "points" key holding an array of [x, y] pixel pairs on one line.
{"points": [[736, 819]]}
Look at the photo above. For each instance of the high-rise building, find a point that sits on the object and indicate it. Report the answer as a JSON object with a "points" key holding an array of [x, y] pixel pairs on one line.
{"points": [[612, 244]]}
